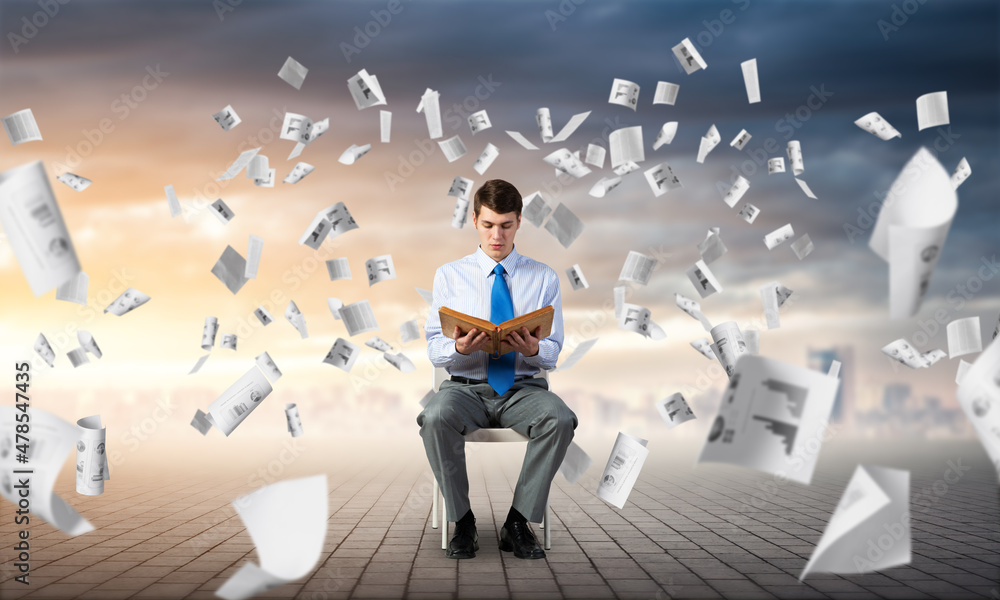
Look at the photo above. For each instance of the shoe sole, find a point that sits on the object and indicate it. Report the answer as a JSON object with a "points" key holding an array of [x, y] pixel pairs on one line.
{"points": [[463, 555], [509, 547]]}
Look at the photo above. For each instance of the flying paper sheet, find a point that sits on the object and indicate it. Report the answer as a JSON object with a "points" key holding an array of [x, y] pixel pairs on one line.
{"points": [[564, 225], [231, 269], [932, 110], [293, 73], [870, 528], [520, 139], [172, 202], [736, 191], [712, 248], [794, 151], [576, 278], [239, 164], [689, 57], [227, 117], [263, 315], [574, 122], [479, 121], [400, 361], [741, 139], [577, 353], [874, 124], [595, 155], [535, 209], [675, 410], [979, 396], [296, 318], [430, 105], [625, 145], [342, 354], [638, 268], [964, 337], [21, 127], [666, 134], [565, 161], [779, 236], [358, 318], [35, 228], [75, 289], [693, 309], [352, 154], [708, 143], [76, 182], [385, 125], [52, 439], [961, 173], [201, 422], [750, 80], [380, 268], [365, 90], [239, 400], [409, 331], [287, 522], [703, 280], [748, 212], [222, 211], [293, 420], [128, 301], [490, 154], [544, 119], [91, 457], [228, 341], [575, 463], [911, 230], [605, 185], [624, 93], [772, 418], [775, 165], [461, 188], [661, 179], [803, 246], [620, 474], [728, 345], [666, 93], [453, 148], [44, 350]]}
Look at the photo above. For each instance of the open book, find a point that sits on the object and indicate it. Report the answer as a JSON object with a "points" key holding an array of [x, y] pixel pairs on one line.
{"points": [[541, 317]]}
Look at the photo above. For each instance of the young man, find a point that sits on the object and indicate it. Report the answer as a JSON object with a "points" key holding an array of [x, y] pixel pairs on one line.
{"points": [[496, 283]]}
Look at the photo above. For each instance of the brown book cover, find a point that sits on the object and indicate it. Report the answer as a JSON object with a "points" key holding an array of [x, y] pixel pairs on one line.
{"points": [[541, 317]]}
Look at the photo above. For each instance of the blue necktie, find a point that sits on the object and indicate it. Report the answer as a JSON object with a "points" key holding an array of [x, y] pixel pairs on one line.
{"points": [[500, 373]]}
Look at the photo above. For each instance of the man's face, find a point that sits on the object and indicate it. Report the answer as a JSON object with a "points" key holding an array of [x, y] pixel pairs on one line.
{"points": [[496, 232]]}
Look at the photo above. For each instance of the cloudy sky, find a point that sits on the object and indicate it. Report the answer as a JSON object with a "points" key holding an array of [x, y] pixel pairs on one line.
{"points": [[822, 65]]}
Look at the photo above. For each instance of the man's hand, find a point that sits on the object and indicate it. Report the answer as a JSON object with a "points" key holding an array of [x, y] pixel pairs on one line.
{"points": [[527, 342], [470, 342]]}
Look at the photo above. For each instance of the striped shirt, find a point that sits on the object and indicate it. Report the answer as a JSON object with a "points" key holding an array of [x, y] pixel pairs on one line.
{"points": [[466, 285]]}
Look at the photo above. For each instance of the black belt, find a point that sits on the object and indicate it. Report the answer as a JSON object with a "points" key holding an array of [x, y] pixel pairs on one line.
{"points": [[468, 381]]}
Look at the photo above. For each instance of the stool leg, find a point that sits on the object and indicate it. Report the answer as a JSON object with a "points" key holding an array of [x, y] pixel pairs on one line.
{"points": [[444, 525], [434, 506], [548, 528]]}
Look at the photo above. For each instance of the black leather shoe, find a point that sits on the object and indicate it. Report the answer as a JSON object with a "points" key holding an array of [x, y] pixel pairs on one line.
{"points": [[465, 543], [517, 537]]}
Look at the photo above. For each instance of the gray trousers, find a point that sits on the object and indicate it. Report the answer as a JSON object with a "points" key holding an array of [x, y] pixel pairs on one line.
{"points": [[528, 408]]}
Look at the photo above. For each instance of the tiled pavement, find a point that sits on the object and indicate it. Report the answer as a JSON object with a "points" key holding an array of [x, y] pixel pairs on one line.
{"points": [[710, 532]]}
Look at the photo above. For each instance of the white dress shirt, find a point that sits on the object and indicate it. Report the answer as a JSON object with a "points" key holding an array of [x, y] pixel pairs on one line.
{"points": [[466, 285]]}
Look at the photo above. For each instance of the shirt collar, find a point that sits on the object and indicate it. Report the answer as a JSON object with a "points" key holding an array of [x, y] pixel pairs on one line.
{"points": [[487, 264]]}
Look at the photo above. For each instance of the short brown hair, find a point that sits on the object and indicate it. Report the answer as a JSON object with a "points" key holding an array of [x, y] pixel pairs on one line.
{"points": [[499, 196]]}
